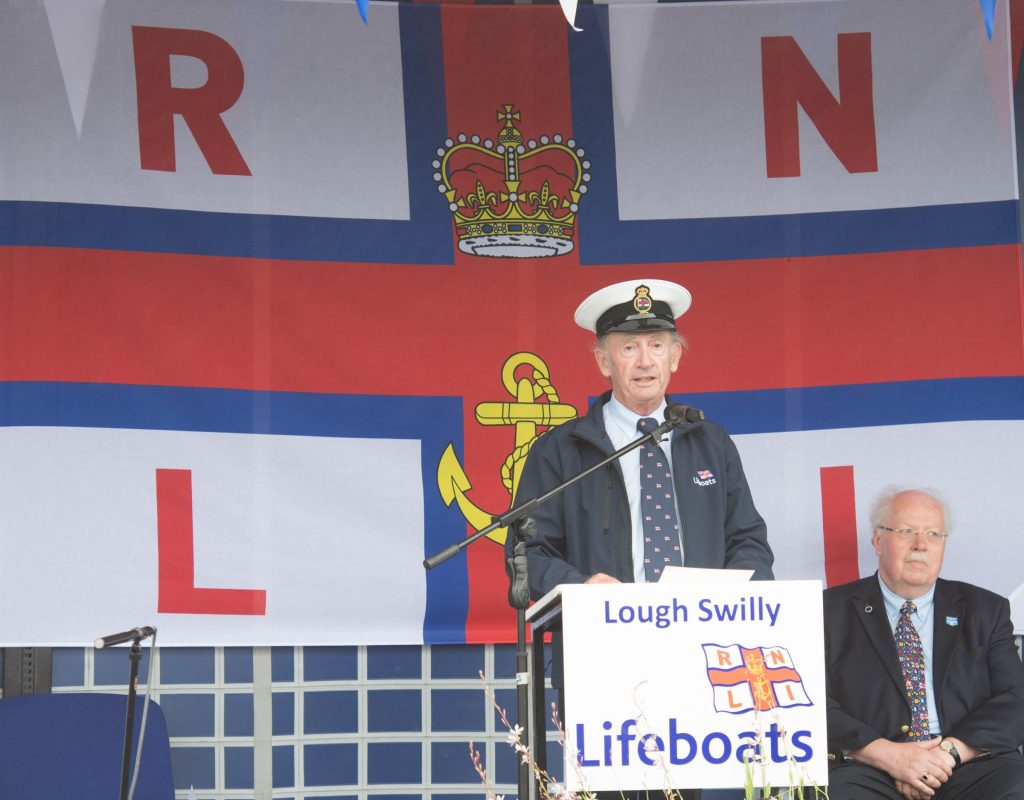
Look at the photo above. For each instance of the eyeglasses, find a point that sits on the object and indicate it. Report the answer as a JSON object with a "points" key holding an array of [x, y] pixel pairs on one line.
{"points": [[909, 534]]}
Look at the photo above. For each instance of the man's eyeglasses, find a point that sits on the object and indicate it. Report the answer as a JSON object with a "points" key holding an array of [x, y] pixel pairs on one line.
{"points": [[909, 534]]}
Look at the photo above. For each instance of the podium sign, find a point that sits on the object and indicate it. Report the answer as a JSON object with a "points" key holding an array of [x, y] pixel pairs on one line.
{"points": [[677, 685]]}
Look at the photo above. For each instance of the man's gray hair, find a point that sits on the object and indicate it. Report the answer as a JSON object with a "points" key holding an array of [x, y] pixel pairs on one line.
{"points": [[883, 504]]}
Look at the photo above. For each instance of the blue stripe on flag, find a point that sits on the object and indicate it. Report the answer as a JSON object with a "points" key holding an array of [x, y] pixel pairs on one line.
{"points": [[426, 238], [605, 239], [863, 405], [434, 421]]}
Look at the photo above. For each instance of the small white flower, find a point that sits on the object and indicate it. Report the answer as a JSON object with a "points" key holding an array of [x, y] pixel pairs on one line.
{"points": [[558, 791], [514, 734]]}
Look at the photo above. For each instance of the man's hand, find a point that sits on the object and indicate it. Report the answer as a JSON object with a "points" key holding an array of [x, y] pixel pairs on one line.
{"points": [[909, 791], [600, 577], [918, 768]]}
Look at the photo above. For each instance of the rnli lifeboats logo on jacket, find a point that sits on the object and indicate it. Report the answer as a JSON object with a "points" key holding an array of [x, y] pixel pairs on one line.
{"points": [[705, 477], [753, 678], [513, 197]]}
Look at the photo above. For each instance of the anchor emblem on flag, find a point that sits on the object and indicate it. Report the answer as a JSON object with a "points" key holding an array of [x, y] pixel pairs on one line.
{"points": [[535, 404]]}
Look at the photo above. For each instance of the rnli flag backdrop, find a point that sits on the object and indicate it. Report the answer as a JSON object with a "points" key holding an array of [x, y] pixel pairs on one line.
{"points": [[285, 298]]}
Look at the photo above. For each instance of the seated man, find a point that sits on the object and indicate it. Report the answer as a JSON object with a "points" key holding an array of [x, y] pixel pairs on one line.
{"points": [[925, 686]]}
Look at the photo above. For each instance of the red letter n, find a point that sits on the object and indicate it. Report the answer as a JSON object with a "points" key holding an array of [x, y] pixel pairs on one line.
{"points": [[176, 572], [847, 125], [200, 107]]}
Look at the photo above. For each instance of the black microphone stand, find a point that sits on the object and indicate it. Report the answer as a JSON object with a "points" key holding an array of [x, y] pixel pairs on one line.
{"points": [[134, 656], [135, 636], [522, 528]]}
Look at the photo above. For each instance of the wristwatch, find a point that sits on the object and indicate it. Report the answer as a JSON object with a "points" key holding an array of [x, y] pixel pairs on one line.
{"points": [[949, 747]]}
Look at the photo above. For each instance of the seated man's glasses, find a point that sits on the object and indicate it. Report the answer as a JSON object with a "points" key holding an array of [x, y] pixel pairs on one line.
{"points": [[909, 534]]}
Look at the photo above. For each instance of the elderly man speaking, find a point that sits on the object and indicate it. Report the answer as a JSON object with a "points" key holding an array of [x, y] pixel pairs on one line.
{"points": [[925, 686], [684, 501]]}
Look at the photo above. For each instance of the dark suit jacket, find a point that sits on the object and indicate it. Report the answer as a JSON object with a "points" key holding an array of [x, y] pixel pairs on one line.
{"points": [[978, 676]]}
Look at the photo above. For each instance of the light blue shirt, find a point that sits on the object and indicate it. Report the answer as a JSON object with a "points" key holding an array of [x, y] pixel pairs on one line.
{"points": [[922, 619], [620, 425]]}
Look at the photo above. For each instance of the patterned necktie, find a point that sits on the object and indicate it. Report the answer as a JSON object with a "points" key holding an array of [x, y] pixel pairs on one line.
{"points": [[908, 646], [658, 507]]}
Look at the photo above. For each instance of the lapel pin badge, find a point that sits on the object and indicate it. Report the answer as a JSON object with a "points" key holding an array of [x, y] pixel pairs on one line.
{"points": [[868, 609], [952, 621]]}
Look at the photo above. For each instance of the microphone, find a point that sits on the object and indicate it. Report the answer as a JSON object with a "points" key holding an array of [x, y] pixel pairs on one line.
{"points": [[124, 636], [678, 414]]}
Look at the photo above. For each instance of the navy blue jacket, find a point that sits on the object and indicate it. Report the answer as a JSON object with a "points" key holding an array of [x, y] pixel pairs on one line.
{"points": [[587, 529], [978, 676]]}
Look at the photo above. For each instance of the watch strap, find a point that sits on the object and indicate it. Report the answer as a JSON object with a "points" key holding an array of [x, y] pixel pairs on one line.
{"points": [[950, 748]]}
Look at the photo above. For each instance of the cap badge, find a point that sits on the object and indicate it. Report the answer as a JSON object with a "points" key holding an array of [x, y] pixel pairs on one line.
{"points": [[642, 300]]}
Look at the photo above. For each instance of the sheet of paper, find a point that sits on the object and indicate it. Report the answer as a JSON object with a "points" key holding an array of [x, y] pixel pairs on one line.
{"points": [[702, 575]]}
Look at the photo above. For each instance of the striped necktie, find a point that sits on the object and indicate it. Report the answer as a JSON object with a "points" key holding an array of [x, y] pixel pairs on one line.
{"points": [[658, 508]]}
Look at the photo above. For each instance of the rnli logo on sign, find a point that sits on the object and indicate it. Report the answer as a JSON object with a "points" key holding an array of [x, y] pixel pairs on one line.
{"points": [[514, 197], [753, 678]]}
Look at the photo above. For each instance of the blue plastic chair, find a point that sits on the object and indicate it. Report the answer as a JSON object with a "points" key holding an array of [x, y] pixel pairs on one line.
{"points": [[70, 747]]}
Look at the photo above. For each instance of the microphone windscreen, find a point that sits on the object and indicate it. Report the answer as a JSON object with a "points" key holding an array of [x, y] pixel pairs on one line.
{"points": [[678, 413]]}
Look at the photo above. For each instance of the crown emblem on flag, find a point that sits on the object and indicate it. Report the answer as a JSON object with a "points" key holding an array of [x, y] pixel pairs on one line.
{"points": [[510, 198]]}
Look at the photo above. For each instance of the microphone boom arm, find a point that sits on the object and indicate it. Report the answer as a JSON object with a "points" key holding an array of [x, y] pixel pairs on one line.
{"points": [[675, 415]]}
